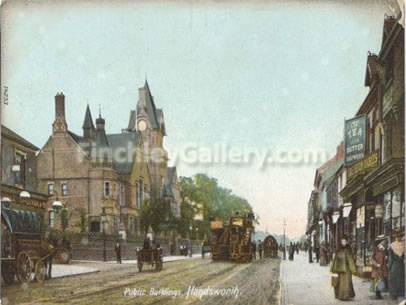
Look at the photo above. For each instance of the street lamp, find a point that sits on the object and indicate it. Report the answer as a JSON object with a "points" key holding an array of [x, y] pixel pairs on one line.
{"points": [[347, 209], [5, 202], [190, 241], [104, 220], [336, 215]]}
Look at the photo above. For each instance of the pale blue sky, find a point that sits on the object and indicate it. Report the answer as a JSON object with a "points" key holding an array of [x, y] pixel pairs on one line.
{"points": [[258, 75]]}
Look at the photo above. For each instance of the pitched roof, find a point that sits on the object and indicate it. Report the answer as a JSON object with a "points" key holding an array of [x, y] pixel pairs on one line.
{"points": [[150, 105], [122, 161], [329, 172], [88, 121], [133, 120], [8, 133]]}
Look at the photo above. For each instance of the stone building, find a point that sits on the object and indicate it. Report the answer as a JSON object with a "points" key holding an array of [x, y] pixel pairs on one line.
{"points": [[93, 175], [149, 121], [18, 173]]}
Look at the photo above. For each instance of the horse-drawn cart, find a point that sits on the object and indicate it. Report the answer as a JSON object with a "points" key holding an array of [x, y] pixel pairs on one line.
{"points": [[154, 257], [24, 253]]}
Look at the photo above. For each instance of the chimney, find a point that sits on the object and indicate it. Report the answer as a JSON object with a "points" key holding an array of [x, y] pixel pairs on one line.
{"points": [[60, 105], [340, 151]]}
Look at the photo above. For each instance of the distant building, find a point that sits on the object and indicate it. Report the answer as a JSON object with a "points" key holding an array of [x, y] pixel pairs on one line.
{"points": [[93, 175]]}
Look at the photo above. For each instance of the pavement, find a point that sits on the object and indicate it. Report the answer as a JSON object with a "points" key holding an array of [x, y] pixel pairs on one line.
{"points": [[80, 267], [309, 284]]}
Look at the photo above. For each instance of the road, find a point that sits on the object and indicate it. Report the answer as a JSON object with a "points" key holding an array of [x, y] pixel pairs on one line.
{"points": [[254, 283]]}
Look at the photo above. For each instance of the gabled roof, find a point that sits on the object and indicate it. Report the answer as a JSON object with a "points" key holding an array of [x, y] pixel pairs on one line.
{"points": [[8, 133], [122, 163]]}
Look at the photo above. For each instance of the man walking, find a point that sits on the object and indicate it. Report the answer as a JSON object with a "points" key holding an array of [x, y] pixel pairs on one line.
{"points": [[118, 252], [260, 248], [309, 244]]}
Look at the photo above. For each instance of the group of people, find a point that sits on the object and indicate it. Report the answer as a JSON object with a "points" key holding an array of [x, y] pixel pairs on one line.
{"points": [[387, 263], [259, 247]]}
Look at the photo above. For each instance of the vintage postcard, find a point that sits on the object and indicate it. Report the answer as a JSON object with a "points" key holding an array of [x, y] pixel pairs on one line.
{"points": [[202, 152]]}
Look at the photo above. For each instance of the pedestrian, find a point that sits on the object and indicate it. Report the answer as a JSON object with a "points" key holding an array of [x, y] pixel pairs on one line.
{"points": [[324, 254], [343, 267], [297, 248], [291, 252], [260, 248], [118, 252], [397, 266], [317, 252], [254, 246], [379, 268], [310, 249]]}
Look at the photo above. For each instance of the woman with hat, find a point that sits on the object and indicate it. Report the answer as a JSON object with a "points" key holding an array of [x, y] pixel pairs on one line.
{"points": [[379, 267], [343, 267], [396, 266]]}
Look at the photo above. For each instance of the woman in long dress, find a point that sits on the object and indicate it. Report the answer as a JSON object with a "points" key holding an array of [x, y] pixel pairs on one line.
{"points": [[396, 266], [343, 267]]}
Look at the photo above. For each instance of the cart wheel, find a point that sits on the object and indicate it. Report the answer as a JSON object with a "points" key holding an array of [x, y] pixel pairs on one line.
{"points": [[140, 264], [24, 267], [8, 277], [40, 271]]}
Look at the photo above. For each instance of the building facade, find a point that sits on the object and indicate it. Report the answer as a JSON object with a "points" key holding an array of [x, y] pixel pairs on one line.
{"points": [[18, 174]]}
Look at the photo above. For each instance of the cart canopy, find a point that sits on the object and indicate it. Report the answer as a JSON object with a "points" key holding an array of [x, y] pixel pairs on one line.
{"points": [[21, 221]]}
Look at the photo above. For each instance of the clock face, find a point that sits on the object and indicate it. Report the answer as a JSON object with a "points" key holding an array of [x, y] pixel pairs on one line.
{"points": [[142, 125]]}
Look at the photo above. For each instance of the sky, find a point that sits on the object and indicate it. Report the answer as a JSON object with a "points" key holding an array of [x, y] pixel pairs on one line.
{"points": [[264, 75]]}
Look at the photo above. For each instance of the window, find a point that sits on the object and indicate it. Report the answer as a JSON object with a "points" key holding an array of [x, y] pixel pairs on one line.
{"points": [[20, 174], [121, 195], [95, 227], [136, 203], [141, 190], [64, 187], [106, 189], [50, 189], [51, 221]]}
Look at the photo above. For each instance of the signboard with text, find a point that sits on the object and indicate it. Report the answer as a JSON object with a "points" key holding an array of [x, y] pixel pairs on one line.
{"points": [[354, 140]]}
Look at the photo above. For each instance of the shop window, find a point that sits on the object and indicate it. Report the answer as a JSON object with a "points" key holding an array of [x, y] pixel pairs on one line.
{"points": [[106, 189], [51, 220], [51, 189], [64, 188]]}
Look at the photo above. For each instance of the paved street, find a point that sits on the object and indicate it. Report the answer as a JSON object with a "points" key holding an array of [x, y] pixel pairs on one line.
{"points": [[189, 281], [309, 284]]}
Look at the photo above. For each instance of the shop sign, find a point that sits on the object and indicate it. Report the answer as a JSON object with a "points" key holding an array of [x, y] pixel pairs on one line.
{"points": [[385, 186], [354, 140], [362, 165], [27, 201]]}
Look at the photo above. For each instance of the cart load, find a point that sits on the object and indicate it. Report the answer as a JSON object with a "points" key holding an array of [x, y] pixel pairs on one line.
{"points": [[24, 253]]}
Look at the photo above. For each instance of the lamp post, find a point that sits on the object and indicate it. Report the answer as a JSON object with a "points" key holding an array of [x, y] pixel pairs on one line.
{"points": [[104, 220], [336, 215], [190, 241]]}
